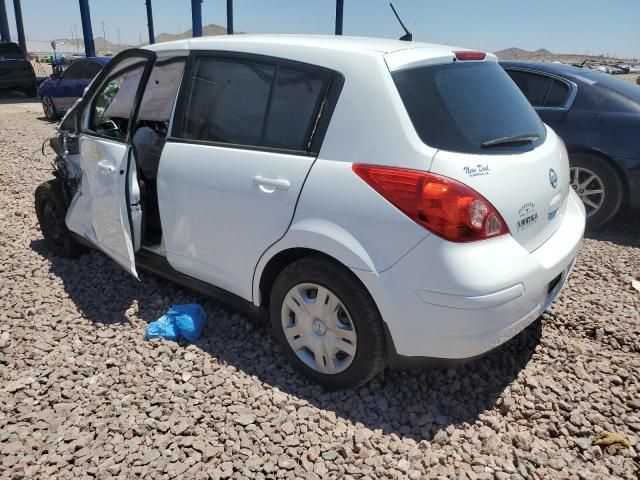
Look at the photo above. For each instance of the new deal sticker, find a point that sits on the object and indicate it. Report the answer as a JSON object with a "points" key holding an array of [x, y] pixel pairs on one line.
{"points": [[477, 171]]}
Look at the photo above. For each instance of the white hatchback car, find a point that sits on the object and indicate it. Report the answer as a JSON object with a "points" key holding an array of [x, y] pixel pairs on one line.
{"points": [[385, 202]]}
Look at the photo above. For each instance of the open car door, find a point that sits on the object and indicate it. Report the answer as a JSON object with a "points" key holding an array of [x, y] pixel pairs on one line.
{"points": [[106, 209]]}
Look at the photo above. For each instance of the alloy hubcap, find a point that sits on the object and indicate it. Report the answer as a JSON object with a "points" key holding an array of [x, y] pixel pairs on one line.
{"points": [[589, 188], [318, 328]]}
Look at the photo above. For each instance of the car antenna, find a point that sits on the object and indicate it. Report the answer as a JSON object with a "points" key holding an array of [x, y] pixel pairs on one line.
{"points": [[407, 37]]}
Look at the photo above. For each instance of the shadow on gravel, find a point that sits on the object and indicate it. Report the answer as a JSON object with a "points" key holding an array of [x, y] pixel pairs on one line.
{"points": [[415, 403], [624, 229], [99, 288], [15, 96], [411, 403]]}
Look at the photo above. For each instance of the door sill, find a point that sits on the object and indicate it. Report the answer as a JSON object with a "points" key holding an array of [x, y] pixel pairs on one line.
{"points": [[151, 262]]}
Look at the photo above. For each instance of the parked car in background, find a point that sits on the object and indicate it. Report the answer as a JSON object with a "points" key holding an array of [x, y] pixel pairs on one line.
{"points": [[598, 117], [435, 222], [59, 92], [16, 72]]}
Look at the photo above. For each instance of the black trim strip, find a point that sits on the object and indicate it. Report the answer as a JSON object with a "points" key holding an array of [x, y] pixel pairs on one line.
{"points": [[208, 143]]}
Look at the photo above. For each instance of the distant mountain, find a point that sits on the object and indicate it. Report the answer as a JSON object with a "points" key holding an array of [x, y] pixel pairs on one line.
{"points": [[66, 46], [515, 53], [207, 31]]}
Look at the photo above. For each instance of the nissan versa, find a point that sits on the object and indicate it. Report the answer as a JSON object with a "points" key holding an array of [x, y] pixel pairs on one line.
{"points": [[385, 202]]}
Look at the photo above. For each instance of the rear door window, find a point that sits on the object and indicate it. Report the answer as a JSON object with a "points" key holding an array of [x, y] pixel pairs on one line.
{"points": [[255, 103], [75, 71], [464, 107], [557, 95], [228, 101], [533, 86], [92, 69]]}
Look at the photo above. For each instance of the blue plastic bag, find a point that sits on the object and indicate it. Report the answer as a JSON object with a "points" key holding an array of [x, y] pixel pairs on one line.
{"points": [[180, 321]]}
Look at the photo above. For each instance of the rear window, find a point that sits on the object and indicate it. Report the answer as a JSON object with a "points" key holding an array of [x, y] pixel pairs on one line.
{"points": [[10, 51], [461, 106]]}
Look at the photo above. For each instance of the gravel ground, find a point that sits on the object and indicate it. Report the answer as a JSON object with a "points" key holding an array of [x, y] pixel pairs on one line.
{"points": [[83, 395]]}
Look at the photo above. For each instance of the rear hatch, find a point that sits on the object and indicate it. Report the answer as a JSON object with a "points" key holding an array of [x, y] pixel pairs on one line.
{"points": [[13, 64], [489, 138]]}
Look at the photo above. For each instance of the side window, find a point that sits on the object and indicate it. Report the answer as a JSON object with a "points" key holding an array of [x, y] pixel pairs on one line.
{"points": [[228, 101], [253, 103], [111, 107], [294, 103], [75, 71], [558, 93], [532, 85], [92, 69]]}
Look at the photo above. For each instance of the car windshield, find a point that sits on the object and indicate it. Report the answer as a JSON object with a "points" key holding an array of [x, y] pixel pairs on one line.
{"points": [[469, 107]]}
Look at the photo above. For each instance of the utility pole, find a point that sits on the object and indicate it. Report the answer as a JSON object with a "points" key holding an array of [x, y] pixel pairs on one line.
{"points": [[104, 38], [229, 17], [75, 29], [339, 15], [17, 8], [196, 18], [152, 37], [5, 35], [87, 31]]}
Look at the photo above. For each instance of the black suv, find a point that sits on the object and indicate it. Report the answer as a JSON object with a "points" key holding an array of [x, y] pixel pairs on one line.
{"points": [[16, 71]]}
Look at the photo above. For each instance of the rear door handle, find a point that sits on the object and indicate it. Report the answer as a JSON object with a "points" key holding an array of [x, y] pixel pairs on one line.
{"points": [[271, 184]]}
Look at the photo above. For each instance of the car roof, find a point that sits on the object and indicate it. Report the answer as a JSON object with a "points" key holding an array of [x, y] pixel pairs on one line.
{"points": [[246, 42], [584, 76], [101, 60]]}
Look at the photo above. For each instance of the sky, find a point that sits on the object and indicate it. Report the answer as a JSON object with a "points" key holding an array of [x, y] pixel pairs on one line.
{"points": [[561, 26]]}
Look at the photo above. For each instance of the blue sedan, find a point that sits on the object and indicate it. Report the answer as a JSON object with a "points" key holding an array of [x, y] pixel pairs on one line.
{"points": [[598, 117], [60, 92]]}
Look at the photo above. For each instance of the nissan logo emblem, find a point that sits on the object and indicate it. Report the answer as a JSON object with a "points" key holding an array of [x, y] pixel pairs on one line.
{"points": [[553, 178]]}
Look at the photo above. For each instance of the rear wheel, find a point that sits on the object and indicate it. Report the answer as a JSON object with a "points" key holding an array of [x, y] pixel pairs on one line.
{"points": [[51, 214], [49, 108], [327, 323], [599, 187]]}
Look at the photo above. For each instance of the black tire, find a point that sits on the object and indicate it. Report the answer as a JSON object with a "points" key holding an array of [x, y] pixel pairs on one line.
{"points": [[51, 214], [49, 108], [611, 181], [369, 358]]}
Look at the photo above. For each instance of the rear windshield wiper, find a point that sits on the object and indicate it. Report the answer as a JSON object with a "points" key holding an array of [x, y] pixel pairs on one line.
{"points": [[521, 138]]}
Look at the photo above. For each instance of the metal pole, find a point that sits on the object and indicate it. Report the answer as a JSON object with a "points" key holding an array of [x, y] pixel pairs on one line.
{"points": [[5, 36], [229, 17], [87, 32], [19, 26], [152, 37], [196, 18], [339, 11]]}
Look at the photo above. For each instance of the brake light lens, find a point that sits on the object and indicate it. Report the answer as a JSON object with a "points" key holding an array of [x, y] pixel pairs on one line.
{"points": [[469, 55], [440, 204]]}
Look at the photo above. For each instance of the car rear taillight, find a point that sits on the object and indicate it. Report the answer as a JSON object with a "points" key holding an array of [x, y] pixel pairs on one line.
{"points": [[440, 204], [468, 55]]}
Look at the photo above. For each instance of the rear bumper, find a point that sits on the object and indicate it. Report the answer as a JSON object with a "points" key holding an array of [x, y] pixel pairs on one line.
{"points": [[454, 302]]}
